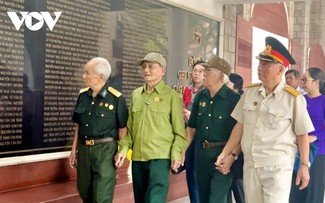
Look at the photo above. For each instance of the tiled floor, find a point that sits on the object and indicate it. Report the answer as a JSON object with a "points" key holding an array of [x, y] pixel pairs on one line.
{"points": [[63, 193], [48, 193]]}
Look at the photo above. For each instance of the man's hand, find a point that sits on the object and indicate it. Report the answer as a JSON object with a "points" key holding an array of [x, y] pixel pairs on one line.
{"points": [[219, 159], [186, 114], [183, 158], [223, 164], [119, 159], [175, 165], [302, 177], [73, 159]]}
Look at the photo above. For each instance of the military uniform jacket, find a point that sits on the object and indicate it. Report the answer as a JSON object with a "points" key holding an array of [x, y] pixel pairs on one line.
{"points": [[271, 124], [102, 115], [211, 116]]}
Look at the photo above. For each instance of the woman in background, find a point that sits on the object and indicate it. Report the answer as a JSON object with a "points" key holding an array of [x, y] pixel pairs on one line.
{"points": [[188, 97], [236, 83], [313, 82]]}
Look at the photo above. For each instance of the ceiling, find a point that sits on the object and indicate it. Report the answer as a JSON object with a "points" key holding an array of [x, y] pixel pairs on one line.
{"points": [[254, 1]]}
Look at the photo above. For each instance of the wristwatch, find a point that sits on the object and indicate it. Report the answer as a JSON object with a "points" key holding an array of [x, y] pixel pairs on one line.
{"points": [[234, 156], [305, 164]]}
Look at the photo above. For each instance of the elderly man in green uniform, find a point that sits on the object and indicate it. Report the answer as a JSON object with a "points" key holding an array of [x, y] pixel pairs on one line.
{"points": [[156, 133], [211, 122], [101, 117], [271, 118]]}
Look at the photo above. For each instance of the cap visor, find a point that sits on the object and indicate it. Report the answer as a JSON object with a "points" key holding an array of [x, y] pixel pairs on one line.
{"points": [[266, 58], [140, 62]]}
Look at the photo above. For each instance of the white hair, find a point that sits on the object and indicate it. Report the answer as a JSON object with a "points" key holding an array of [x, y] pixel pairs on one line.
{"points": [[102, 67], [225, 78]]}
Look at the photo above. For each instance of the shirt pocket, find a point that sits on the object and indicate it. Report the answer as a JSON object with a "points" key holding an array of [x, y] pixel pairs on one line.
{"points": [[104, 118], [136, 112], [158, 115], [136, 109], [79, 114], [277, 117], [249, 112]]}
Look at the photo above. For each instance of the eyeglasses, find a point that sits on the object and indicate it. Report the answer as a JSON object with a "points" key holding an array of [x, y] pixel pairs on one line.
{"points": [[198, 71], [151, 66], [304, 80]]}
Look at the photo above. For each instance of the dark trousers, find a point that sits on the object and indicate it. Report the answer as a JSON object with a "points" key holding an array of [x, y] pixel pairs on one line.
{"points": [[314, 193], [191, 174], [238, 191], [96, 174], [213, 186], [150, 180]]}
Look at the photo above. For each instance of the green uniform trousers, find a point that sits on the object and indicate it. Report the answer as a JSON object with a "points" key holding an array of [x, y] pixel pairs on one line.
{"points": [[213, 186], [150, 180], [96, 174]]}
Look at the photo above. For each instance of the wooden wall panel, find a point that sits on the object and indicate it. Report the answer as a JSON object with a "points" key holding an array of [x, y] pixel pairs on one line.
{"points": [[271, 17], [243, 65], [317, 57]]}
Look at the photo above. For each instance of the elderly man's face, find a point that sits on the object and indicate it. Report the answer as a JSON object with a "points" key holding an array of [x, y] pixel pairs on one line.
{"points": [[91, 78], [152, 72], [212, 76], [269, 71]]}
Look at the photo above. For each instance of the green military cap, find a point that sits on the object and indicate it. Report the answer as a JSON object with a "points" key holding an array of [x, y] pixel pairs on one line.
{"points": [[153, 57], [276, 52], [218, 63]]}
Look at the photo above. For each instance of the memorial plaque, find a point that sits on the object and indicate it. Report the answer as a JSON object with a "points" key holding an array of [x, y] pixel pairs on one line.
{"points": [[140, 39], [41, 71], [11, 79], [81, 34]]}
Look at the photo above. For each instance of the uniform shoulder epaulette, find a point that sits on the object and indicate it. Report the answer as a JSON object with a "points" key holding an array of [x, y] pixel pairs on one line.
{"points": [[253, 85], [292, 91], [84, 90], [114, 91]]}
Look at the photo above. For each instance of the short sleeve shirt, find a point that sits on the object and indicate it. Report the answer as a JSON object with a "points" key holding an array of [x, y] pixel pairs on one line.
{"points": [[100, 116], [211, 116], [271, 124]]}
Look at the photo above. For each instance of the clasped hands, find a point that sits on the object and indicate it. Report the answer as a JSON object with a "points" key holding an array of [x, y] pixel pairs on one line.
{"points": [[224, 163]]}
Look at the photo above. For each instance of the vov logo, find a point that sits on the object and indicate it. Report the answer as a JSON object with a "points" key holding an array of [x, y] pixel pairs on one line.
{"points": [[34, 20]]}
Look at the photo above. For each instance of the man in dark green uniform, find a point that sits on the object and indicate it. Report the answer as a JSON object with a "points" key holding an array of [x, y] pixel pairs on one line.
{"points": [[101, 116], [211, 122]]}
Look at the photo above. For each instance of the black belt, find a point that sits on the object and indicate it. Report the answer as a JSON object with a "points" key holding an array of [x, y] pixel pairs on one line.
{"points": [[89, 142], [207, 145]]}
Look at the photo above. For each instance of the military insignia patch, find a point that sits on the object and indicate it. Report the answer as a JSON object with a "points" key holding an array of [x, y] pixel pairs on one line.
{"points": [[292, 91], [254, 85], [114, 92], [84, 90], [104, 93]]}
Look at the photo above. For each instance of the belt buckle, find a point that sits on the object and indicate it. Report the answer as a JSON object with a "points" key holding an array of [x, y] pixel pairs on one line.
{"points": [[205, 144], [90, 142]]}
